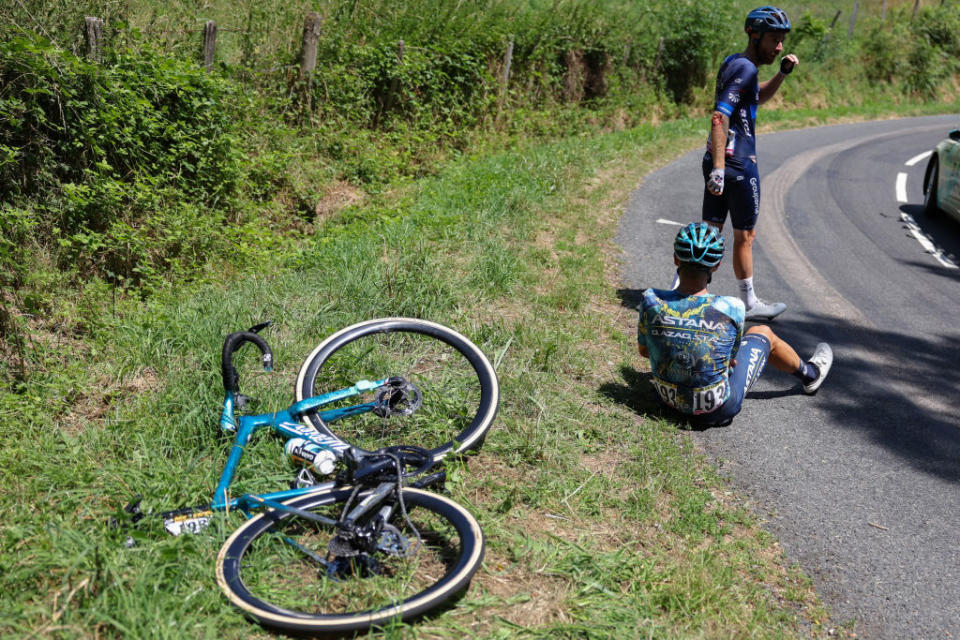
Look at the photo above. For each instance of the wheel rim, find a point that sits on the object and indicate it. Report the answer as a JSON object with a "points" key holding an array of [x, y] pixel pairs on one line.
{"points": [[272, 581], [459, 386]]}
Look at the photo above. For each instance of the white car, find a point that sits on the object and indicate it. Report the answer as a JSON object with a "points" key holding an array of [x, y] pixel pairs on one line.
{"points": [[941, 182]]}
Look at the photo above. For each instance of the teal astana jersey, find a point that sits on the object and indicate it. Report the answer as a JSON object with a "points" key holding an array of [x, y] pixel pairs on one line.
{"points": [[691, 340]]}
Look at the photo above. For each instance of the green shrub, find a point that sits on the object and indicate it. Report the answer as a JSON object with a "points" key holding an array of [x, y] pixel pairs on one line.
{"points": [[94, 157], [940, 27], [810, 38], [692, 41], [918, 53], [882, 53]]}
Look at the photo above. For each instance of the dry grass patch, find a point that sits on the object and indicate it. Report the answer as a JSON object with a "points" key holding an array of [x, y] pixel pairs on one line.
{"points": [[338, 195], [96, 399], [525, 597]]}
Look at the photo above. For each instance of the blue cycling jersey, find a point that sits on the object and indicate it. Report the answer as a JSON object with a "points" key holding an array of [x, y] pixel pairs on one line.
{"points": [[691, 340], [737, 97]]}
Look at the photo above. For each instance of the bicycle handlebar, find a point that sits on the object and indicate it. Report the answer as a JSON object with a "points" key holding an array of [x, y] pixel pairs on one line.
{"points": [[231, 379]]}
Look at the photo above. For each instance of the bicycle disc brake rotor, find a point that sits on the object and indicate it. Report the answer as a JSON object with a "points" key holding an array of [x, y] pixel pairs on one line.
{"points": [[397, 397]]}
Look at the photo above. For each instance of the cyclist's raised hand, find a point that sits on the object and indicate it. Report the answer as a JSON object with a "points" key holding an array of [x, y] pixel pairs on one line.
{"points": [[715, 182], [787, 63]]}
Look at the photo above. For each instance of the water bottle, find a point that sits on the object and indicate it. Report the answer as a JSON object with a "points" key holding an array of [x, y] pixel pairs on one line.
{"points": [[318, 458]]}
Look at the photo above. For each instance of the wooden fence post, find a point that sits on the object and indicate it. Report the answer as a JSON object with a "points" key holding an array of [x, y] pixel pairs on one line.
{"points": [[395, 83], [505, 76], [853, 19], [308, 57], [883, 11], [209, 43], [93, 29], [916, 5], [656, 60], [833, 23], [308, 53], [836, 17]]}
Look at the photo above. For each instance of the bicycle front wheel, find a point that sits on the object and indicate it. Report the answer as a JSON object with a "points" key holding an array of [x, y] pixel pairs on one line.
{"points": [[459, 387], [276, 566]]}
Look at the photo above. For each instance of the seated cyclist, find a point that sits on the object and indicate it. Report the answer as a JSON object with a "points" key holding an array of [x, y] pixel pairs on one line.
{"points": [[702, 362]]}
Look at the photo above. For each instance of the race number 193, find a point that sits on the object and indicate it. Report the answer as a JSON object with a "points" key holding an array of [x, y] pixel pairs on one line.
{"points": [[708, 399]]}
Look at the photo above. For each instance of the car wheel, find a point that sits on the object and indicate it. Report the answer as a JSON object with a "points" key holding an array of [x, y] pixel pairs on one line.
{"points": [[930, 188]]}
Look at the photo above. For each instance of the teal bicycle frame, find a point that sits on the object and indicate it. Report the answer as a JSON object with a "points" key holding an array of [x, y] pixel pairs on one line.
{"points": [[286, 423]]}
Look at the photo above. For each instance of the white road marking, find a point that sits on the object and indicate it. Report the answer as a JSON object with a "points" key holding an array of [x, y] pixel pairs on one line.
{"points": [[911, 225], [665, 221], [901, 187], [815, 292]]}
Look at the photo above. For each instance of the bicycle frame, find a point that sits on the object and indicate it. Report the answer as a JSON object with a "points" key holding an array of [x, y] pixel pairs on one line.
{"points": [[394, 396], [286, 423]]}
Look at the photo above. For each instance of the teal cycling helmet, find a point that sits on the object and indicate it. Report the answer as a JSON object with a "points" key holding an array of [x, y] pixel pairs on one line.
{"points": [[764, 19], [700, 245]]}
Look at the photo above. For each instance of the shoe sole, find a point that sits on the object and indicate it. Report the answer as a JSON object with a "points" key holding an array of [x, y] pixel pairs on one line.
{"points": [[762, 316]]}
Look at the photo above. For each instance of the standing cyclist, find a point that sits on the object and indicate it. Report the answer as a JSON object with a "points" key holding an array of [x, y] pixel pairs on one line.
{"points": [[732, 179], [701, 360]]}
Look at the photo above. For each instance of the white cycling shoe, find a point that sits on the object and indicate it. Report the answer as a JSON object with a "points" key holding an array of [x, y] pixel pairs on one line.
{"points": [[822, 358], [765, 310]]}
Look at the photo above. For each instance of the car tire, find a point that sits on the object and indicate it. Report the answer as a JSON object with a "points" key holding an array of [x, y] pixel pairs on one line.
{"points": [[930, 207]]}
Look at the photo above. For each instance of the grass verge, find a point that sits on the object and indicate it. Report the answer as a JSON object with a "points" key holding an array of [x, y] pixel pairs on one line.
{"points": [[602, 520]]}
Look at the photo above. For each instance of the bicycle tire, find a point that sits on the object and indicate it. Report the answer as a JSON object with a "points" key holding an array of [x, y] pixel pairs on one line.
{"points": [[460, 390], [277, 571]]}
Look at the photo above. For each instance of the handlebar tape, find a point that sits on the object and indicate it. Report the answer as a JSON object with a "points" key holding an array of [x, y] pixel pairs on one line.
{"points": [[231, 379]]}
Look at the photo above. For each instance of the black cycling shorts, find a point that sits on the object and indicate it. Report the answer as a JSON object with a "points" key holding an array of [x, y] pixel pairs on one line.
{"points": [[741, 196]]}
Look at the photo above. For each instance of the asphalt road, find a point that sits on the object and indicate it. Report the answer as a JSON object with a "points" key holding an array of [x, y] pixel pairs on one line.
{"points": [[860, 483]]}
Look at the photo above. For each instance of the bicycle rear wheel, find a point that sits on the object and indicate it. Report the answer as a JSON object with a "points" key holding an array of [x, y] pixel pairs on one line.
{"points": [[281, 586], [460, 393]]}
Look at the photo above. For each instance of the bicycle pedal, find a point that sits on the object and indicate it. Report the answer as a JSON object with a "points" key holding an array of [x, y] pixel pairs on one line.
{"points": [[304, 479]]}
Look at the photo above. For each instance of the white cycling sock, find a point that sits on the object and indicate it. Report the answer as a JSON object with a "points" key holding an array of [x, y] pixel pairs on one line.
{"points": [[746, 292]]}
